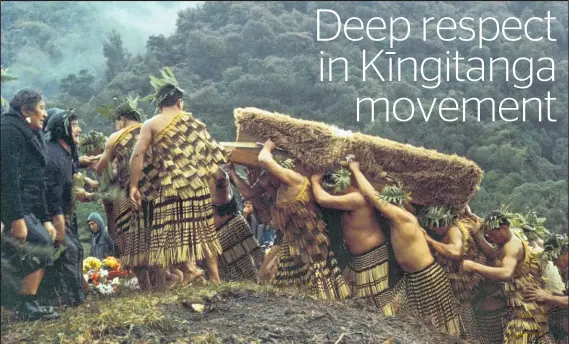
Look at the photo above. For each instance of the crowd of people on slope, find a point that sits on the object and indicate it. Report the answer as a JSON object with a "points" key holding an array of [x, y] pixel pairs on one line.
{"points": [[474, 278]]}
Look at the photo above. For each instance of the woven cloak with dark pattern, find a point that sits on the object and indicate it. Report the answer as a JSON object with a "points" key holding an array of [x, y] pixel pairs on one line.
{"points": [[184, 155], [306, 258]]}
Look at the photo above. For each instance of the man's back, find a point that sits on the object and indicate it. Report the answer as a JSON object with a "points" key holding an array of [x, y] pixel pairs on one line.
{"points": [[161, 121], [183, 158], [409, 245]]}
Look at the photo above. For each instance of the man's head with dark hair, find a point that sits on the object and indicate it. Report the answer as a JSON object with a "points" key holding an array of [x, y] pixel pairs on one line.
{"points": [[167, 92], [168, 96], [337, 182], [556, 249], [437, 219], [129, 116], [496, 227], [127, 112], [328, 179], [30, 104]]}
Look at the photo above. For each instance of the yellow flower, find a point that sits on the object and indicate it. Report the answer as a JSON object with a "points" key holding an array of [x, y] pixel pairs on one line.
{"points": [[91, 263], [112, 263]]}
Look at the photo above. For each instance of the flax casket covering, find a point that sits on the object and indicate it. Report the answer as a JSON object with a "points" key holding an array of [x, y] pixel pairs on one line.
{"points": [[432, 178]]}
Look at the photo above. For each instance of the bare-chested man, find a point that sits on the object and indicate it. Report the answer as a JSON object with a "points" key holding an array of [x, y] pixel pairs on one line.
{"points": [[184, 157], [367, 273], [427, 284], [241, 251], [306, 258], [518, 268], [452, 242]]}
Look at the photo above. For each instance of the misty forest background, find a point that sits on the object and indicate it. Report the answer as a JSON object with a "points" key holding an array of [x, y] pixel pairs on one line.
{"points": [[228, 55]]}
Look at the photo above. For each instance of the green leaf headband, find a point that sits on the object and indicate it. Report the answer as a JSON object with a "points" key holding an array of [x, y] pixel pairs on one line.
{"points": [[496, 219], [339, 180], [394, 194], [554, 247], [129, 106], [436, 217], [163, 87]]}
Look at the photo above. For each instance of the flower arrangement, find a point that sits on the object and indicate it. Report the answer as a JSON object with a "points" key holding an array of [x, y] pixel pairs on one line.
{"points": [[106, 276]]}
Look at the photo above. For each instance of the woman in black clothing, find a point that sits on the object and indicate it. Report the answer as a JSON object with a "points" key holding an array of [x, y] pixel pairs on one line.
{"points": [[24, 207], [65, 284]]}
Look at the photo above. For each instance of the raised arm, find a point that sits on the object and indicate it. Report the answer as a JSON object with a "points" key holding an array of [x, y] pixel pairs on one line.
{"points": [[221, 178], [219, 186], [137, 159], [452, 250], [247, 191], [392, 212], [503, 273], [107, 156], [488, 249], [351, 201], [286, 176]]}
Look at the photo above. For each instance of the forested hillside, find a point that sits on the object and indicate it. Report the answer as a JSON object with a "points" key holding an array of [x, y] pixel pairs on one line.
{"points": [[233, 54]]}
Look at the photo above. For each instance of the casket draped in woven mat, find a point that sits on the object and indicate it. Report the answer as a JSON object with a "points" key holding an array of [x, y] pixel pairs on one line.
{"points": [[433, 178]]}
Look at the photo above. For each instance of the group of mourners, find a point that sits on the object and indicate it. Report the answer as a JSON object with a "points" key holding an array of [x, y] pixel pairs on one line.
{"points": [[473, 278]]}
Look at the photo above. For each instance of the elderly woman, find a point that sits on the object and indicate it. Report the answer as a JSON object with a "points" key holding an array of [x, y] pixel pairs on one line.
{"points": [[24, 208], [66, 280]]}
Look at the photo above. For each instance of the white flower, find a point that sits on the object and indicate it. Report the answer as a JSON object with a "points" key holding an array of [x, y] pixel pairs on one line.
{"points": [[132, 283], [115, 281], [105, 289], [104, 273]]}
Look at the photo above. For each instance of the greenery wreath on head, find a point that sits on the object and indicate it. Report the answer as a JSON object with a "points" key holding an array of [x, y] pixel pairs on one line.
{"points": [[497, 218], [554, 247], [394, 194], [436, 216], [338, 180], [128, 107], [163, 87]]}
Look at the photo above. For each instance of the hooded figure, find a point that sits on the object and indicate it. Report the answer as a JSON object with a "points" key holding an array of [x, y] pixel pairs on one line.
{"points": [[102, 245], [58, 126]]}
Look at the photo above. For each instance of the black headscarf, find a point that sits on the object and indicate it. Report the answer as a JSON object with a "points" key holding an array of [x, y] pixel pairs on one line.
{"points": [[58, 127]]}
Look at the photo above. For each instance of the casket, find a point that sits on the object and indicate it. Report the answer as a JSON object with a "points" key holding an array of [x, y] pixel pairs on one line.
{"points": [[432, 178]]}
